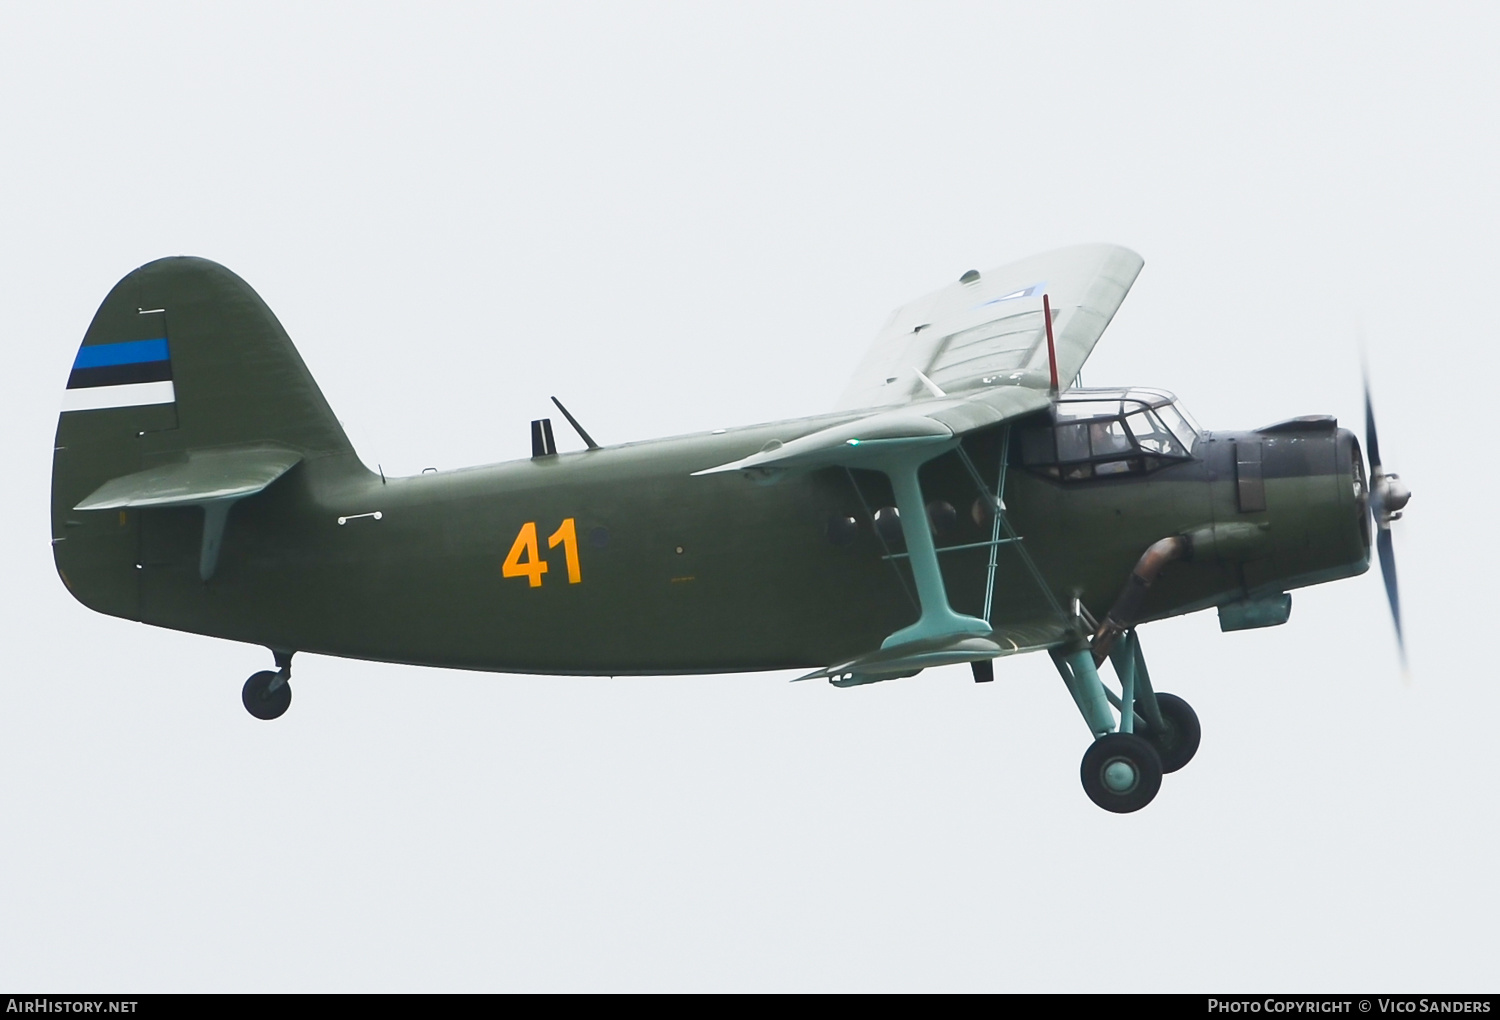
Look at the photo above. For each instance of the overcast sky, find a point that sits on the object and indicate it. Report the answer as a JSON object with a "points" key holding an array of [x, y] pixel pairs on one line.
{"points": [[679, 217]]}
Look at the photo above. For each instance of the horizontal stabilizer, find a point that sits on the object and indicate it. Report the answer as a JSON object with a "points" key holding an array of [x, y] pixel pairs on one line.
{"points": [[207, 476]]}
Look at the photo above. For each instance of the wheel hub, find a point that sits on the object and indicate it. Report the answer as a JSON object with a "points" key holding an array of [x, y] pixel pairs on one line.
{"points": [[1119, 776]]}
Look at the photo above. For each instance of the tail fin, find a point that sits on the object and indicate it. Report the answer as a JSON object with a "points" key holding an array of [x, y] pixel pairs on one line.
{"points": [[183, 365]]}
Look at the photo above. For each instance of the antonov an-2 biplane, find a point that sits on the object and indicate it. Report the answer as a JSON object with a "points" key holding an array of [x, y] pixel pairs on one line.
{"points": [[962, 504]]}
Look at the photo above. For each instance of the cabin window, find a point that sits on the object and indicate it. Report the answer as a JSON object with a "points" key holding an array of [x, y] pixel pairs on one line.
{"points": [[942, 517], [842, 529], [888, 525]]}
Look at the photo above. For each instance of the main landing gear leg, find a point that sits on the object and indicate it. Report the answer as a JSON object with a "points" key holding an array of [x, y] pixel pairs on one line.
{"points": [[1121, 772], [268, 694], [1169, 724]]}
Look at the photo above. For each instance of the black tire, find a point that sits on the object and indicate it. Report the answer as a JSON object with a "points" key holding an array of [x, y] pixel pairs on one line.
{"points": [[262, 702], [1179, 743], [1121, 772]]}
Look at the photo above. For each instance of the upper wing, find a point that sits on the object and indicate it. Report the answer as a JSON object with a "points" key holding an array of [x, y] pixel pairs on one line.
{"points": [[966, 357], [987, 330]]}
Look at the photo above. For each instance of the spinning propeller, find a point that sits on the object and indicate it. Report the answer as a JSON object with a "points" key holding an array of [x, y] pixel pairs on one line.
{"points": [[1388, 496]]}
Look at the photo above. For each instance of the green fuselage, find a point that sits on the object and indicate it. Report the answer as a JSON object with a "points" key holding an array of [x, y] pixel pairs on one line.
{"points": [[682, 574]]}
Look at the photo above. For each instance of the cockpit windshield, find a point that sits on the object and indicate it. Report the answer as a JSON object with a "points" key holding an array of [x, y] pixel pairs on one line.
{"points": [[1099, 433]]}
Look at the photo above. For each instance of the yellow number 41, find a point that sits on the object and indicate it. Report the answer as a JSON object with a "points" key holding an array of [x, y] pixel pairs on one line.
{"points": [[532, 567]]}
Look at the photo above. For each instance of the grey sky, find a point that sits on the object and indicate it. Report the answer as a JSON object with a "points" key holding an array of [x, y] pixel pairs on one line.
{"points": [[679, 217]]}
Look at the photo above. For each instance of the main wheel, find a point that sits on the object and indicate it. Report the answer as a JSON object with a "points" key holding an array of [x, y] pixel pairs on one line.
{"points": [[262, 702], [1180, 741], [1121, 772]]}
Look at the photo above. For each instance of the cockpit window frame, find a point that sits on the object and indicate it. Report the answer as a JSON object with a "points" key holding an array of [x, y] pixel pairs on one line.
{"points": [[1075, 447]]}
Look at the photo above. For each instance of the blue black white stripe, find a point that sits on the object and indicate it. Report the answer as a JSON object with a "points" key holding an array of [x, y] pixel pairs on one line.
{"points": [[131, 373]]}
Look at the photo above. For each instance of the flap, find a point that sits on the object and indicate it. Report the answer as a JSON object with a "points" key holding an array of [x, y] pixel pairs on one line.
{"points": [[206, 476]]}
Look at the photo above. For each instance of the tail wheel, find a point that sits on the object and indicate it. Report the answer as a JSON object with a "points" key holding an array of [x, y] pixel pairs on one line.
{"points": [[261, 700]]}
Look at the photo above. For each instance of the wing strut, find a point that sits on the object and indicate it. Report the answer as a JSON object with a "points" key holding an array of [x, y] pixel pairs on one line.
{"points": [[1000, 522], [900, 460]]}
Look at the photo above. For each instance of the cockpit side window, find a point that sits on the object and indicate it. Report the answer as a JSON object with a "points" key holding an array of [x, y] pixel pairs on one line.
{"points": [[1153, 436], [1072, 441], [1108, 438], [1181, 426], [1102, 439]]}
